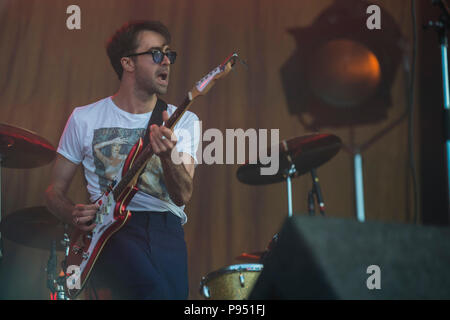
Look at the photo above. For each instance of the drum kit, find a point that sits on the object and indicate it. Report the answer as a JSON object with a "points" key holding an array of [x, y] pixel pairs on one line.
{"points": [[297, 157], [36, 227], [33, 227]]}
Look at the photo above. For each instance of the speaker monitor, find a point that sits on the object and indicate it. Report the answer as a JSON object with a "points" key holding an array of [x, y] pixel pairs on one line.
{"points": [[332, 258]]}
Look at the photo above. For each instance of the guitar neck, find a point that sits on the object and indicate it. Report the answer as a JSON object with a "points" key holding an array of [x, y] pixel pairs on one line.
{"points": [[202, 86], [133, 173]]}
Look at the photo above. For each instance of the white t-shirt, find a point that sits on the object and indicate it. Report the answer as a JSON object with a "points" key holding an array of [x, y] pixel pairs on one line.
{"points": [[101, 135]]}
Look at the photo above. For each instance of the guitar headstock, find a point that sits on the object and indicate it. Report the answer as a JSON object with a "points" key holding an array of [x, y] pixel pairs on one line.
{"points": [[206, 83]]}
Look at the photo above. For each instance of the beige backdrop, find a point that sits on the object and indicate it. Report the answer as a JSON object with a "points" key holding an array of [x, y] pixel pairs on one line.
{"points": [[46, 70]]}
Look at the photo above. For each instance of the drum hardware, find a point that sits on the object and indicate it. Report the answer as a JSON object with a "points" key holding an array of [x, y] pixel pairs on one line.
{"points": [[315, 191], [65, 242], [56, 285], [33, 227], [205, 289], [290, 173], [297, 156], [36, 227], [259, 256], [241, 279], [21, 148], [236, 282]]}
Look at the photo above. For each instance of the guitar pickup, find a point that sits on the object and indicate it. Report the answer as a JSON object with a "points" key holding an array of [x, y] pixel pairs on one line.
{"points": [[98, 218]]}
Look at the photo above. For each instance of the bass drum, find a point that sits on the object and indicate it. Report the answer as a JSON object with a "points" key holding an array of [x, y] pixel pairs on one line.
{"points": [[230, 283]]}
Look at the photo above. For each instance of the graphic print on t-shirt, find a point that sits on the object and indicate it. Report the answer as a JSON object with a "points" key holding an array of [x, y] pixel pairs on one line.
{"points": [[110, 148]]}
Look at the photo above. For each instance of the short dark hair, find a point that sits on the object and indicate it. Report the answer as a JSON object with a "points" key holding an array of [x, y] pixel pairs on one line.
{"points": [[125, 40]]}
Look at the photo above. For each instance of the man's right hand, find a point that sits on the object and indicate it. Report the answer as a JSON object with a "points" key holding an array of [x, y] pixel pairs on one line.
{"points": [[77, 215], [82, 214]]}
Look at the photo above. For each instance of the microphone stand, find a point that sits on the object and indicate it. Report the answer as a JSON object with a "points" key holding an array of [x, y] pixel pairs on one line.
{"points": [[442, 26], [317, 192], [51, 270], [55, 282]]}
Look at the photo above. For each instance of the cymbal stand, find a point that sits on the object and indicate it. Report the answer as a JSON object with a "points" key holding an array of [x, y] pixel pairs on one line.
{"points": [[56, 285], [5, 144], [62, 279], [60, 292], [289, 173], [51, 269], [65, 243], [315, 191]]}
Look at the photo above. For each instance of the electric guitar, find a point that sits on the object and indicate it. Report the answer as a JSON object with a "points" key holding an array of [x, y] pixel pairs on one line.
{"points": [[85, 248]]}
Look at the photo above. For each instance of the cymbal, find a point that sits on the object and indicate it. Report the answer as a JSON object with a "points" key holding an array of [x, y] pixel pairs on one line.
{"points": [[306, 152], [22, 148], [33, 227]]}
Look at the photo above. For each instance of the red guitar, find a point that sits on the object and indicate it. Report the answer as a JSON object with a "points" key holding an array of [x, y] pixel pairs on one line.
{"points": [[112, 215]]}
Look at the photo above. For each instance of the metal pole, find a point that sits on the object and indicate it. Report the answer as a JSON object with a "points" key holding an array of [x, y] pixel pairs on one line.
{"points": [[441, 26], [445, 83], [289, 193], [359, 187], [291, 172]]}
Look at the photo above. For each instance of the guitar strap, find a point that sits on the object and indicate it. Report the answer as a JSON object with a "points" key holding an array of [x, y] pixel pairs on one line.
{"points": [[156, 118]]}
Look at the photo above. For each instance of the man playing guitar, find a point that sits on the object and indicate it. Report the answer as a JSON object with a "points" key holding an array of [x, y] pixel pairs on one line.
{"points": [[147, 257]]}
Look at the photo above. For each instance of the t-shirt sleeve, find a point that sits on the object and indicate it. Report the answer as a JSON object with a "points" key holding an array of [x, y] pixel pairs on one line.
{"points": [[70, 145], [188, 132]]}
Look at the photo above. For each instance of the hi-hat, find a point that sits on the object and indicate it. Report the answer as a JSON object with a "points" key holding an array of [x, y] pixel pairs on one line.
{"points": [[305, 152], [33, 227], [21, 148]]}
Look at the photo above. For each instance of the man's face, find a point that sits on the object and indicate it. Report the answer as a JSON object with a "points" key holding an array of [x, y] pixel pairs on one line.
{"points": [[150, 76]]}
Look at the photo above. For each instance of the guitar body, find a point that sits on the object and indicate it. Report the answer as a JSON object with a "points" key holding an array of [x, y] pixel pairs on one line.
{"points": [[112, 215]]}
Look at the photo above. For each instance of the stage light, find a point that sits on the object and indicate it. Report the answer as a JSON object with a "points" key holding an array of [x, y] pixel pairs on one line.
{"points": [[344, 73]]}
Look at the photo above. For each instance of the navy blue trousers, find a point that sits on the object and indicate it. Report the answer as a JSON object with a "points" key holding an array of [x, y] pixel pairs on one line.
{"points": [[145, 259]]}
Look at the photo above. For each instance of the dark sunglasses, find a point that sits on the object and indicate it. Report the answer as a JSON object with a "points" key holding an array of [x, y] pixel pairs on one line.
{"points": [[158, 55]]}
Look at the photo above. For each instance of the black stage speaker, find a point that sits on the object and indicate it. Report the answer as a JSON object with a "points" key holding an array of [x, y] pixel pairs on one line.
{"points": [[331, 258]]}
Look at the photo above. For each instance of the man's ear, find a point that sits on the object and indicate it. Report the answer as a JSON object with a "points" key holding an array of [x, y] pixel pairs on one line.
{"points": [[127, 64]]}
